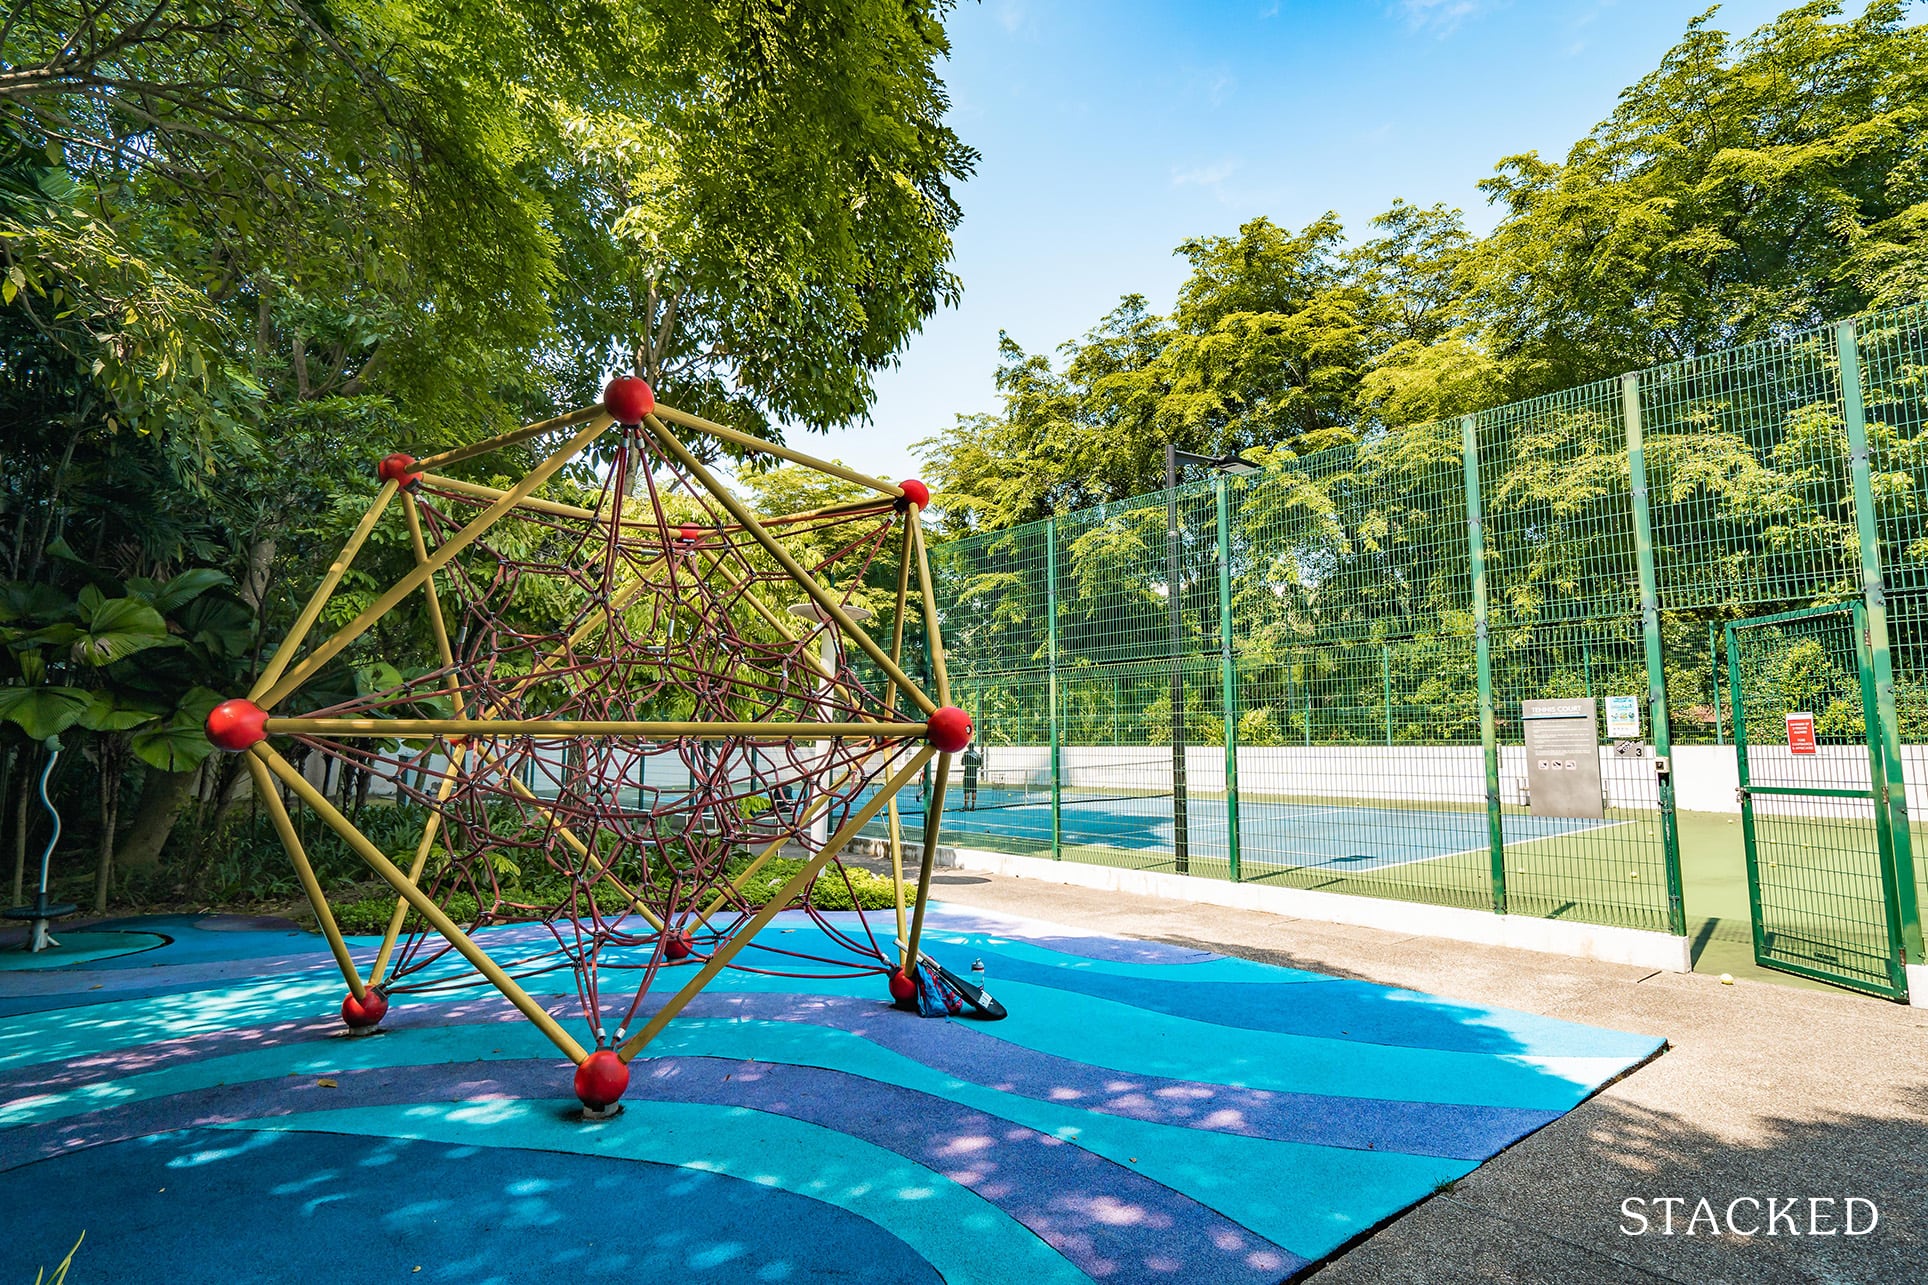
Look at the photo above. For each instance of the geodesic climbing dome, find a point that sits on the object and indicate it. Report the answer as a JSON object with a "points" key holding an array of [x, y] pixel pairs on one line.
{"points": [[642, 701]]}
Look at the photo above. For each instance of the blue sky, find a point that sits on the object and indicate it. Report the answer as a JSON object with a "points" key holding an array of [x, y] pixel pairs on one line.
{"points": [[1112, 131]]}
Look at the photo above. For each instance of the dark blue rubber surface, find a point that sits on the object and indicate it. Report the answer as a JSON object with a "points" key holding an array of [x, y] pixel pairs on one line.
{"points": [[214, 1204]]}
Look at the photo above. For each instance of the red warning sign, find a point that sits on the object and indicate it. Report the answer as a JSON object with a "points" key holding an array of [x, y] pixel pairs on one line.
{"points": [[1800, 733]]}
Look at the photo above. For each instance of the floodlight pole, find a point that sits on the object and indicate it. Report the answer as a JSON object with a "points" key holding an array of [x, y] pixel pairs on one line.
{"points": [[1181, 829]]}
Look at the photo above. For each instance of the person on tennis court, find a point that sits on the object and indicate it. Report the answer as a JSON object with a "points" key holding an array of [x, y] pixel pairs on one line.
{"points": [[973, 764]]}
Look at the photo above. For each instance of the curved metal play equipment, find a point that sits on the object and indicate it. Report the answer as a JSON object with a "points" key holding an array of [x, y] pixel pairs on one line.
{"points": [[42, 913]]}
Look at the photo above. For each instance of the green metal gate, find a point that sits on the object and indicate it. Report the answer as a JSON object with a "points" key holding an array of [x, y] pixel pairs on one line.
{"points": [[1822, 847]]}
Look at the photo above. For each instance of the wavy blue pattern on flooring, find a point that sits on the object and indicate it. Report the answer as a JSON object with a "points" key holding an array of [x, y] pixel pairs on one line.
{"points": [[1148, 1112]]}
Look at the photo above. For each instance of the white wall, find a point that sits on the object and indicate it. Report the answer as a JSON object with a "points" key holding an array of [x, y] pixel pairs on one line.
{"points": [[1705, 776]]}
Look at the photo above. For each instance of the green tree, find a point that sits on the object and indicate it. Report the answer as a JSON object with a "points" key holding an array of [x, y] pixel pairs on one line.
{"points": [[1264, 347], [1743, 188], [248, 249], [758, 223]]}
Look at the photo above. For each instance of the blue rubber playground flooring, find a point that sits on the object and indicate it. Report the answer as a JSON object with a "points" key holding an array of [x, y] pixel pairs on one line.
{"points": [[1146, 1113]]}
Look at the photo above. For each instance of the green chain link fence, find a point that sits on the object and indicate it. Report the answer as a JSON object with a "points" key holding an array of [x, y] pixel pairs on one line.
{"points": [[1313, 675]]}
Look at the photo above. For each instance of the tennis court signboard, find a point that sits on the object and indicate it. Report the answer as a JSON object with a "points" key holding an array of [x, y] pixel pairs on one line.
{"points": [[1800, 733], [1563, 757]]}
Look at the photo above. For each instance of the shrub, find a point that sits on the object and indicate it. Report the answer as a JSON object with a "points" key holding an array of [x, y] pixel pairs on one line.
{"points": [[364, 909]]}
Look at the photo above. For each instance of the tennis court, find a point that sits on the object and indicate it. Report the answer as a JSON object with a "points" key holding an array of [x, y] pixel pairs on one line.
{"points": [[1330, 836]]}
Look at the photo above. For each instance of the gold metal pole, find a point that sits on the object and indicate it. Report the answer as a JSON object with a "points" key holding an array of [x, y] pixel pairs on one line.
{"points": [[474, 531], [430, 829], [714, 429], [904, 555], [475, 490], [439, 628], [897, 864], [783, 897], [848, 508], [324, 917], [511, 437], [425, 907], [932, 817], [415, 729], [932, 629], [742, 880], [903, 604], [437, 625], [805, 581], [285, 652]]}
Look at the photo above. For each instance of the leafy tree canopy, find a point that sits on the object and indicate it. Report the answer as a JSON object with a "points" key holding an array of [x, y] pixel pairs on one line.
{"points": [[1745, 188], [248, 248]]}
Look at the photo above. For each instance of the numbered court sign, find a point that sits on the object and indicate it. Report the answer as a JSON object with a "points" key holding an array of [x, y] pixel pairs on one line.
{"points": [[1800, 733]]}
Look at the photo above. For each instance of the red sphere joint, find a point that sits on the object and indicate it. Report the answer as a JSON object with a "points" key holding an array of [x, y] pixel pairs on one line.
{"points": [[367, 1012], [601, 1079], [628, 399], [949, 729], [691, 534], [915, 492], [398, 468], [235, 725], [902, 987], [678, 945]]}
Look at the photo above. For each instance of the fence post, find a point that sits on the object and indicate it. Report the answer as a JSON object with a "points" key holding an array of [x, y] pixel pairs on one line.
{"points": [[1228, 674], [1483, 661], [1385, 672], [1305, 687], [1051, 697], [1713, 677], [1643, 551], [1894, 788], [1181, 803]]}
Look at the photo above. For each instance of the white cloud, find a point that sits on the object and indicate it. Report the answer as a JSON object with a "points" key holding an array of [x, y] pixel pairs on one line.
{"points": [[1211, 177], [1215, 84], [1441, 17]]}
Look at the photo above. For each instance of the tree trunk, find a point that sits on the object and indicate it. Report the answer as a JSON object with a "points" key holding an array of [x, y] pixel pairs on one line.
{"points": [[110, 788], [9, 800], [22, 810], [231, 785], [254, 584], [162, 798]]}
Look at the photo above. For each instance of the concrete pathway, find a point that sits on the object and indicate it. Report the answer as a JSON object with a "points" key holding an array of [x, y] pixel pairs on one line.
{"points": [[1768, 1093]]}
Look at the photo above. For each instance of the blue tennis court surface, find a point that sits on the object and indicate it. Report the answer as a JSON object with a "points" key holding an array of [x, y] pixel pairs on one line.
{"points": [[1337, 837], [1147, 1112]]}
